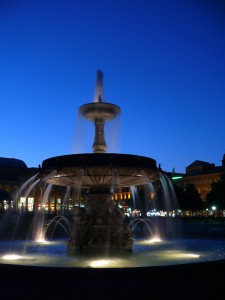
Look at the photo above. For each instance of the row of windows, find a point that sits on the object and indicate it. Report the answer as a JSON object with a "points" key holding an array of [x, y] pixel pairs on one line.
{"points": [[122, 196], [204, 181]]}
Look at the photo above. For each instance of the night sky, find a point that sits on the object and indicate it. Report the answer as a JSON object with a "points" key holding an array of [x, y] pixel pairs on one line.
{"points": [[163, 63]]}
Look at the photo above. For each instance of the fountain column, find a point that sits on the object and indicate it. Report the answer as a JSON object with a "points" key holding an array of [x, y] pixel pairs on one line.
{"points": [[99, 141], [99, 112]]}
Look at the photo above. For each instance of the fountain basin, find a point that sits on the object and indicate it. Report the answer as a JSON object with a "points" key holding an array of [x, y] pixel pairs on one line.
{"points": [[99, 170], [193, 278], [145, 253]]}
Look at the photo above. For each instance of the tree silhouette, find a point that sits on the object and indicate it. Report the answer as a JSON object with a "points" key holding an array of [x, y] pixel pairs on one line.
{"points": [[190, 198], [216, 196]]}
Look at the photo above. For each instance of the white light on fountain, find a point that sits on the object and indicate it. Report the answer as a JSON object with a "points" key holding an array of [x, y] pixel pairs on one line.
{"points": [[181, 255], [41, 240], [155, 240], [107, 263], [189, 255], [12, 257], [40, 236], [151, 240], [99, 263]]}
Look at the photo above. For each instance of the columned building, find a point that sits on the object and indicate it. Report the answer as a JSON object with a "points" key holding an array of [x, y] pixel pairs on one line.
{"points": [[202, 175], [13, 172], [14, 175]]}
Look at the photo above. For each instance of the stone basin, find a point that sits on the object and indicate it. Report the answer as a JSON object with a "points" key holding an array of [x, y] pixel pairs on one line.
{"points": [[99, 170]]}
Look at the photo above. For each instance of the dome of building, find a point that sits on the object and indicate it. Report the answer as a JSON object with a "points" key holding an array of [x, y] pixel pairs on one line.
{"points": [[12, 162]]}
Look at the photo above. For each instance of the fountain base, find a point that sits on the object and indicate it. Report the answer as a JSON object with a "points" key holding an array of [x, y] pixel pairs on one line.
{"points": [[100, 226]]}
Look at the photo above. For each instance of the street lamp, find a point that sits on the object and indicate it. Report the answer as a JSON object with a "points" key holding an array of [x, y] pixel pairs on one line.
{"points": [[213, 209]]}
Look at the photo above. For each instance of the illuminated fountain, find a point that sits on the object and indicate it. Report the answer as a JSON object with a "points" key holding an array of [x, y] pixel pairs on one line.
{"points": [[99, 225], [98, 236]]}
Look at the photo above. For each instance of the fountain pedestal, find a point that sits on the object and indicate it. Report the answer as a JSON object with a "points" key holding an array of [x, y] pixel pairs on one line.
{"points": [[100, 226]]}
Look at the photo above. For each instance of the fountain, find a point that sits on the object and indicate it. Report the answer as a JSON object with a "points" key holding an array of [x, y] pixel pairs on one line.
{"points": [[99, 226], [98, 236]]}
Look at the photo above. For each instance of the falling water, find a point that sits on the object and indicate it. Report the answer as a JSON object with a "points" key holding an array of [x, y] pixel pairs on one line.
{"points": [[173, 196], [40, 216], [66, 197], [46, 196], [169, 196], [137, 223], [112, 133], [171, 204], [61, 221], [135, 197], [81, 128], [31, 187], [24, 186]]}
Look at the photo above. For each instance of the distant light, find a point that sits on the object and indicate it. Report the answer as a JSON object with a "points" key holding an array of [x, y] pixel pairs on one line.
{"points": [[177, 177]]}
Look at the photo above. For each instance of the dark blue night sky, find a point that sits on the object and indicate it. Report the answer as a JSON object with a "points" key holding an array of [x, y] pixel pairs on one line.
{"points": [[163, 63]]}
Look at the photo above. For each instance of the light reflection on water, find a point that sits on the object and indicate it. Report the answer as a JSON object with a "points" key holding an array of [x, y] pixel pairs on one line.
{"points": [[145, 253]]}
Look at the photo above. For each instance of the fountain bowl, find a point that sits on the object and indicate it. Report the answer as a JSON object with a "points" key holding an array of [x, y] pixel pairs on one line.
{"points": [[99, 170], [99, 110]]}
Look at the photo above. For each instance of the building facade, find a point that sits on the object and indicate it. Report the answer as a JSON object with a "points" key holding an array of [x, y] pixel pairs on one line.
{"points": [[202, 175]]}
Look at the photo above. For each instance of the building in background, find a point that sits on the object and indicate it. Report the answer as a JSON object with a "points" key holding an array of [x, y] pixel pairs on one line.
{"points": [[13, 173], [202, 175]]}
